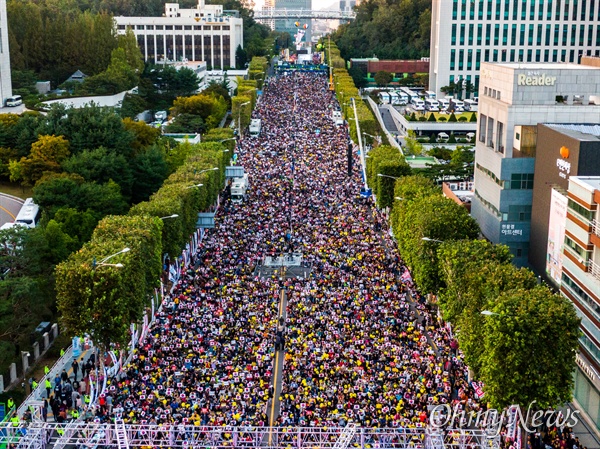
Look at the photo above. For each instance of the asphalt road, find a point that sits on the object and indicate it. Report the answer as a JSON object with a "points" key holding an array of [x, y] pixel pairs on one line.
{"points": [[9, 208]]}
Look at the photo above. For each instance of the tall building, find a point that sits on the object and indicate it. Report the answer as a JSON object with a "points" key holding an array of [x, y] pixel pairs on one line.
{"points": [[5, 79], [513, 99], [203, 33], [581, 284], [347, 5], [268, 6], [288, 25], [467, 33]]}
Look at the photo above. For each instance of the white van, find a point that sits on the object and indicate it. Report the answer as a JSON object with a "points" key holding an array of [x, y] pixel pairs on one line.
{"points": [[13, 101], [459, 105], [384, 97], [430, 94], [337, 118], [417, 104], [432, 105], [443, 104]]}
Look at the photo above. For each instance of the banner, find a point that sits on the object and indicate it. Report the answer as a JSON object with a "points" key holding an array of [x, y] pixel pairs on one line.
{"points": [[76, 342], [556, 235]]}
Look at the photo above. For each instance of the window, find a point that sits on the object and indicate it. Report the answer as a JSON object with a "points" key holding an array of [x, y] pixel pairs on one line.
{"points": [[592, 5], [490, 132], [518, 212], [530, 37], [479, 33], [513, 34], [480, 10], [557, 11], [469, 60], [523, 9], [590, 34], [454, 9], [496, 34], [463, 10], [178, 27], [549, 10], [520, 55], [477, 59], [566, 11], [461, 57], [515, 9], [556, 34], [538, 55], [581, 35], [539, 35], [488, 33], [506, 8], [482, 125], [471, 27], [504, 35], [580, 210], [462, 34], [532, 10], [548, 30], [522, 35], [541, 10], [452, 58], [489, 10], [574, 14], [529, 55], [500, 134], [520, 181], [453, 37], [573, 34], [497, 9], [187, 27]]}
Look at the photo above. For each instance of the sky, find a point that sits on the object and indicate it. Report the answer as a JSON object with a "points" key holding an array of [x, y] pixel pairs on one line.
{"points": [[317, 4]]}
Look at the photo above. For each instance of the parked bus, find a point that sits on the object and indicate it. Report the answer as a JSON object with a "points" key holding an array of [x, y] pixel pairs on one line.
{"points": [[29, 214], [432, 105], [384, 97], [430, 94], [254, 127], [470, 105]]}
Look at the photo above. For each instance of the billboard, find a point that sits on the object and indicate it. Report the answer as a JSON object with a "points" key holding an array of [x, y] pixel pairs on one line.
{"points": [[556, 235]]}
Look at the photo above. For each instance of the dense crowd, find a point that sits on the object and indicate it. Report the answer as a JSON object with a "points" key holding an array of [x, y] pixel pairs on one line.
{"points": [[360, 343]]}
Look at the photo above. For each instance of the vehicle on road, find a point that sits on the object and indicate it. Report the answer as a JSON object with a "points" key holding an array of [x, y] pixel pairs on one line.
{"points": [[15, 100], [239, 189], [29, 214], [254, 127]]}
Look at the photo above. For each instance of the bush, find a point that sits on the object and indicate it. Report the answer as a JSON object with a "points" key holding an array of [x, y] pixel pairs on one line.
{"points": [[432, 138], [473, 117], [422, 119], [431, 118], [462, 119], [442, 119], [413, 117], [452, 138], [452, 118]]}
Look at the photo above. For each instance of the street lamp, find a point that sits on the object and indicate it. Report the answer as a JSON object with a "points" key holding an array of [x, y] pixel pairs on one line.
{"points": [[397, 198], [169, 216], [427, 239], [195, 185], [204, 171], [103, 261], [489, 313], [116, 265], [240, 118], [387, 176]]}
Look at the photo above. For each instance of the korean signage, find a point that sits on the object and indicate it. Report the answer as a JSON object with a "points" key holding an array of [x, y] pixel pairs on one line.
{"points": [[564, 166], [509, 229], [556, 235]]}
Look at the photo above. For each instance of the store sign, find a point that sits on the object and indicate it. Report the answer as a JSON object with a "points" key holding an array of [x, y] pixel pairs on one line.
{"points": [[509, 229], [533, 79], [587, 369], [564, 167]]}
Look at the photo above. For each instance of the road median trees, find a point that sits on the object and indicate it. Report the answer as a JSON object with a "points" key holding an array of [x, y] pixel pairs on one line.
{"points": [[388, 161], [101, 299]]}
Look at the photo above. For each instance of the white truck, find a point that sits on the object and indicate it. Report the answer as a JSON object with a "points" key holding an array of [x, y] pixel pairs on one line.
{"points": [[239, 187], [254, 127]]}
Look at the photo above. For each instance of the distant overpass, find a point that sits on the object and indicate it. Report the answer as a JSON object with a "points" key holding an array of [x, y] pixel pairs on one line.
{"points": [[284, 13]]}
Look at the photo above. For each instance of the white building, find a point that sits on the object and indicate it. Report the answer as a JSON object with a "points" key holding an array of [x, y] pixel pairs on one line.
{"points": [[268, 8], [5, 79], [198, 34], [513, 99], [467, 33]]}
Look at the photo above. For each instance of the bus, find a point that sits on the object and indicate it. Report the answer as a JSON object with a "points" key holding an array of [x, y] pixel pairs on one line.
{"points": [[384, 97], [432, 105], [29, 214], [254, 127], [409, 93], [470, 105]]}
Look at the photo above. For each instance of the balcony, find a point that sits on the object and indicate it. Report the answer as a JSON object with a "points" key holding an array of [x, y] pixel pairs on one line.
{"points": [[594, 269], [596, 227]]}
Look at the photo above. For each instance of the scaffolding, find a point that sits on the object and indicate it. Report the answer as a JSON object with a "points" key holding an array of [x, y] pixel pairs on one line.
{"points": [[39, 435]]}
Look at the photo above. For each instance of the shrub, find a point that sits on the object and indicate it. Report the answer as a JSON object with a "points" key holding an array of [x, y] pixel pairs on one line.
{"points": [[462, 119], [452, 118], [442, 119], [452, 138], [473, 117], [431, 118]]}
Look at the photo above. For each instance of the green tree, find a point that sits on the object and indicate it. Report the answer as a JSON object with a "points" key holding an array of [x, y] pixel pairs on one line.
{"points": [[412, 147], [46, 156], [187, 123], [530, 349], [383, 78]]}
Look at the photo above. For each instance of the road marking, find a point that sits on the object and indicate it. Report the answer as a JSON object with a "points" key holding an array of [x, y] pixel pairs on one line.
{"points": [[8, 212]]}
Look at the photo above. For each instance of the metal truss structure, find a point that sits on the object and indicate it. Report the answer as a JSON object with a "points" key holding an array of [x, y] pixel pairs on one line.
{"points": [[40, 435], [284, 13]]}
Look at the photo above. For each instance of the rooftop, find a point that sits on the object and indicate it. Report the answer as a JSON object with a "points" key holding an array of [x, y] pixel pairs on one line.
{"points": [[589, 182], [581, 131], [546, 66]]}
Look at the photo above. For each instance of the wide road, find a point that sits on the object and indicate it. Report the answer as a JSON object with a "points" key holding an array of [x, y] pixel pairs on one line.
{"points": [[9, 208]]}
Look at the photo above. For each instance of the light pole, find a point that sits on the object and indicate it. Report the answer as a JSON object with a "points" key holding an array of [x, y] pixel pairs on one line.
{"points": [[387, 176], [169, 216], [489, 313], [240, 118], [204, 171], [195, 185], [360, 146], [427, 239], [103, 261], [397, 198]]}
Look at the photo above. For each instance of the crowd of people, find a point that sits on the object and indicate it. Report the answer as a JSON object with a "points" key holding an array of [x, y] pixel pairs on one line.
{"points": [[360, 343]]}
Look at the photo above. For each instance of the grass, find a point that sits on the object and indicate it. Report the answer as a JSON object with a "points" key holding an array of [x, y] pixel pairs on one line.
{"points": [[15, 189]]}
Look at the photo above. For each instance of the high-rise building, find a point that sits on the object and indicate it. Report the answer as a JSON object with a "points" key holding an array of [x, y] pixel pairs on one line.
{"points": [[467, 33], [268, 6], [288, 25], [347, 5], [513, 99], [5, 79], [203, 33]]}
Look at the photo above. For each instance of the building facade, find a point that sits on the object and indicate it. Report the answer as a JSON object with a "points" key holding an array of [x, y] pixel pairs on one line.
{"points": [[581, 284], [513, 100], [267, 8], [563, 151], [203, 33], [5, 78], [467, 33]]}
